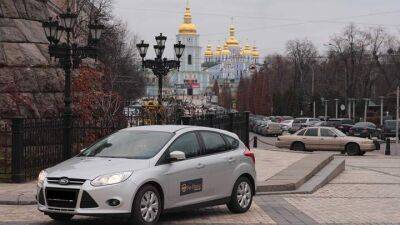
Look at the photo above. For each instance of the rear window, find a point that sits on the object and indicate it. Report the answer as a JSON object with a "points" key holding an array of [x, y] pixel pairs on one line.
{"points": [[301, 132], [233, 143], [213, 142]]}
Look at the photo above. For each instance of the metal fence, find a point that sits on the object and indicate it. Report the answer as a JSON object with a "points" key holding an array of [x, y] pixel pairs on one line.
{"points": [[30, 145]]}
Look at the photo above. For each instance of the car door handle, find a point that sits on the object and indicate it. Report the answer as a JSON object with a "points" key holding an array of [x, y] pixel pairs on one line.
{"points": [[200, 166], [231, 159]]}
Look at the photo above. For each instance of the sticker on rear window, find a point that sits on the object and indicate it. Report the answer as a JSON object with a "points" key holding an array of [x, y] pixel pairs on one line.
{"points": [[191, 186]]}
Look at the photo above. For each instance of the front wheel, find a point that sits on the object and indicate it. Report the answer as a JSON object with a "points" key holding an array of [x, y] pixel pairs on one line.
{"points": [[60, 217], [353, 149], [147, 206], [298, 146], [241, 197]]}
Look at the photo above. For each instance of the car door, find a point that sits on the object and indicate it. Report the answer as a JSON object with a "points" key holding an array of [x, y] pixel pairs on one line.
{"points": [[311, 139], [328, 140], [217, 164], [184, 179]]}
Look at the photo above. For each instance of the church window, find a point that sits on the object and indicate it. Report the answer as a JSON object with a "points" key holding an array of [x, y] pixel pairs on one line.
{"points": [[189, 59]]}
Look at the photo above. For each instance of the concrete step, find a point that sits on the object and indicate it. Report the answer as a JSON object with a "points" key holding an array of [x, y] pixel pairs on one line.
{"points": [[296, 174], [326, 174]]}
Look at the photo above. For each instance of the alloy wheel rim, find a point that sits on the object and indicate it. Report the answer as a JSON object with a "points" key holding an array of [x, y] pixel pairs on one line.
{"points": [[243, 194], [149, 206]]}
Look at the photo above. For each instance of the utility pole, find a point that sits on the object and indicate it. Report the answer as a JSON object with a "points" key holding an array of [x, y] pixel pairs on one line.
{"points": [[397, 116], [314, 109], [349, 108], [326, 108], [354, 109], [365, 109], [336, 107], [381, 97]]}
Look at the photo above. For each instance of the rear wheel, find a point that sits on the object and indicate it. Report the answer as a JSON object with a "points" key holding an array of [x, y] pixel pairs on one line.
{"points": [[353, 149], [60, 217], [241, 197], [298, 146], [147, 206]]}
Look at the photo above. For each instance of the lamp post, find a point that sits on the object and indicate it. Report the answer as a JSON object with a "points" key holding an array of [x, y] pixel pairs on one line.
{"points": [[160, 66], [69, 55]]}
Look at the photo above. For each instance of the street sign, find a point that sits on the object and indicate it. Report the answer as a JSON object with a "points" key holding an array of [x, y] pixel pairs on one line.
{"points": [[342, 107]]}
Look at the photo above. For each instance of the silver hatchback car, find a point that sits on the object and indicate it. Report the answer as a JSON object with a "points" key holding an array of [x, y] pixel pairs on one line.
{"points": [[144, 171]]}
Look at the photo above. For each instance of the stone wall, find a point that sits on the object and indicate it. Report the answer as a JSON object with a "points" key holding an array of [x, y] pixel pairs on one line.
{"points": [[30, 83]]}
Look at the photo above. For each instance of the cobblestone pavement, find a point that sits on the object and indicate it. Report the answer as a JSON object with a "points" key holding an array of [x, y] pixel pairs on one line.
{"points": [[367, 192]]}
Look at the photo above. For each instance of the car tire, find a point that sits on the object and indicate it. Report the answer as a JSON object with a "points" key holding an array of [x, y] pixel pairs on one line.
{"points": [[147, 206], [241, 197], [60, 217], [353, 149], [298, 146]]}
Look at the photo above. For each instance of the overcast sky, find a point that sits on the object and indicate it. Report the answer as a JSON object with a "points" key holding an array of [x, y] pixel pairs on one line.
{"points": [[267, 23]]}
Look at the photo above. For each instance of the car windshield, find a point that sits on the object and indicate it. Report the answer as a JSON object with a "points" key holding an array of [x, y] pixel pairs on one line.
{"points": [[300, 120], [131, 144], [364, 124]]}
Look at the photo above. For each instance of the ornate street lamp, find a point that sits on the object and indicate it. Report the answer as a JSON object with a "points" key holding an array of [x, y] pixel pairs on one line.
{"points": [[70, 56], [160, 66]]}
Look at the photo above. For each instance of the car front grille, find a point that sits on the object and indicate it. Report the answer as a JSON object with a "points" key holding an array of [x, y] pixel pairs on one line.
{"points": [[61, 197], [71, 181]]}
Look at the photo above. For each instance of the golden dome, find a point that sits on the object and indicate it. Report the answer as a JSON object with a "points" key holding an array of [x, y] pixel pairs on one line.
{"points": [[232, 41], [218, 51], [187, 27], [255, 53], [208, 52], [247, 51], [225, 51]]}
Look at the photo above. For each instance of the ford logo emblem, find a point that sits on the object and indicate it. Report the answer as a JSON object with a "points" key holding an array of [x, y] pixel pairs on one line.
{"points": [[63, 181]]}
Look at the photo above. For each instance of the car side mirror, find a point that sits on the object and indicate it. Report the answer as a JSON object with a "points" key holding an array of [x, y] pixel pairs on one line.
{"points": [[82, 150], [177, 156]]}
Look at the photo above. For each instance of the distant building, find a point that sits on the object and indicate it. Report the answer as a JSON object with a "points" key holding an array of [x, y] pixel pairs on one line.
{"points": [[190, 79]]}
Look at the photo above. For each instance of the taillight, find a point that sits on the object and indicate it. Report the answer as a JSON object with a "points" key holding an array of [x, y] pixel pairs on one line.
{"points": [[250, 154]]}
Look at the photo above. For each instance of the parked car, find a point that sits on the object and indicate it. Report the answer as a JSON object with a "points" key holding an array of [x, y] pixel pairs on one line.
{"points": [[286, 124], [145, 171], [271, 128], [326, 138], [299, 123], [342, 124], [389, 128], [365, 130]]}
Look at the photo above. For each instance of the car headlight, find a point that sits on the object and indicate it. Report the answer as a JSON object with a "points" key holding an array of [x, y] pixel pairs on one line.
{"points": [[42, 176], [110, 179]]}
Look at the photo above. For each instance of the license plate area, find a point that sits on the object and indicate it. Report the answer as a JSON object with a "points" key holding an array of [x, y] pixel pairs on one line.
{"points": [[61, 197]]}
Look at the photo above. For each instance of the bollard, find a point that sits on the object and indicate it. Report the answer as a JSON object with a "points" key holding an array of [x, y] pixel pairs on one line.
{"points": [[387, 149], [255, 142]]}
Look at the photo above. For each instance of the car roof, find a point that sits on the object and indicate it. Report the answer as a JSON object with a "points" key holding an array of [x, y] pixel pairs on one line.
{"points": [[176, 128]]}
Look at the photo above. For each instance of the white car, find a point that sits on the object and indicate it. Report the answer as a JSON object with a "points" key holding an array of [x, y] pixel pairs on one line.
{"points": [[144, 171], [286, 124]]}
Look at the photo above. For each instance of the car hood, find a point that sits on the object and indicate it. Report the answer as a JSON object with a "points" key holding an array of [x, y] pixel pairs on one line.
{"points": [[92, 167]]}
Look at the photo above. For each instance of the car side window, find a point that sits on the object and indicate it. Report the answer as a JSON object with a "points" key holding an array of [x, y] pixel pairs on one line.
{"points": [[186, 143], [232, 142], [327, 133], [312, 132], [213, 142]]}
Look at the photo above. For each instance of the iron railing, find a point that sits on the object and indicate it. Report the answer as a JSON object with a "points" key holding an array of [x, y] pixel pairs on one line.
{"points": [[29, 145]]}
